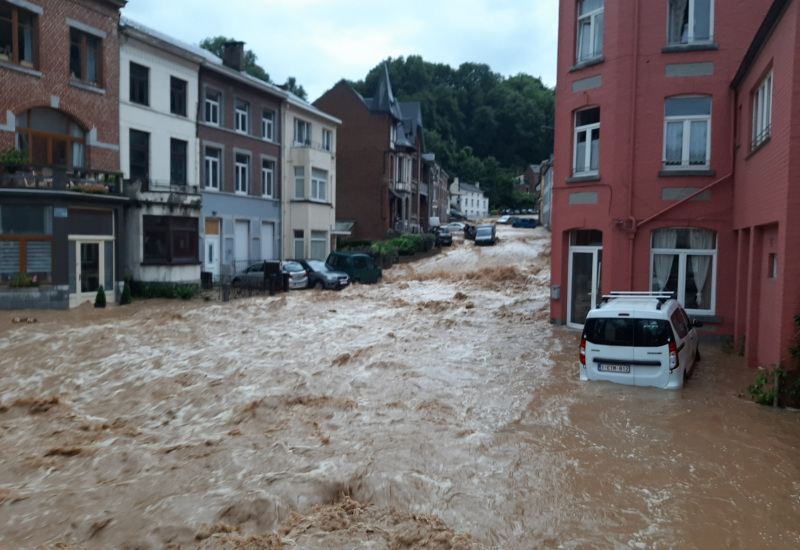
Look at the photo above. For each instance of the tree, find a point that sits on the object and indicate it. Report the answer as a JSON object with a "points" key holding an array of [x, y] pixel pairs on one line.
{"points": [[216, 46], [292, 86]]}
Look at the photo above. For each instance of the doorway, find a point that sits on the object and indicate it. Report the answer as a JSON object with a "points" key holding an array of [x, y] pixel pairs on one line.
{"points": [[585, 270]]}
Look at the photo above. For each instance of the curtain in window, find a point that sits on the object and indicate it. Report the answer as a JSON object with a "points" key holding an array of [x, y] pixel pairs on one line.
{"points": [[701, 239], [698, 140], [585, 40], [580, 153], [593, 161], [662, 263], [677, 12], [674, 144], [91, 65], [598, 36]]}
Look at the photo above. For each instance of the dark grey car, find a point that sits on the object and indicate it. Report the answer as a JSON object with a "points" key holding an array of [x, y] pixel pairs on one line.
{"points": [[322, 276]]}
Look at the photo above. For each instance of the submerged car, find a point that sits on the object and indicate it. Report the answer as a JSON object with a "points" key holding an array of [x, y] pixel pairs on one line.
{"points": [[639, 339], [525, 222], [506, 219], [485, 234], [359, 266], [298, 278], [254, 275], [443, 238], [454, 226], [321, 276]]}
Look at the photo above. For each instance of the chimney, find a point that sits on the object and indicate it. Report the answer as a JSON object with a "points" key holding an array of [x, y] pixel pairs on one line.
{"points": [[234, 55]]}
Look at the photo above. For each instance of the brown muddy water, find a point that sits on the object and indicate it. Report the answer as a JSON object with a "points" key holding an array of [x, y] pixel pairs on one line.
{"points": [[437, 409]]}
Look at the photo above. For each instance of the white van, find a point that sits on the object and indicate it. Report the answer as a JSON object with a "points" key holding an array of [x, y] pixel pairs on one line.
{"points": [[640, 339]]}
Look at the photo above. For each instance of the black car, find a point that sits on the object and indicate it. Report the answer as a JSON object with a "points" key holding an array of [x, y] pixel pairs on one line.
{"points": [[444, 238], [321, 276]]}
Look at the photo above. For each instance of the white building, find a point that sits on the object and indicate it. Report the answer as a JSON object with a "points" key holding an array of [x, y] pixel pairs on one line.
{"points": [[159, 154], [469, 199], [309, 174]]}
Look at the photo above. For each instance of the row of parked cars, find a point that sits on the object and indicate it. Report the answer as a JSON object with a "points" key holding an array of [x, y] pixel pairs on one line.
{"points": [[335, 273]]}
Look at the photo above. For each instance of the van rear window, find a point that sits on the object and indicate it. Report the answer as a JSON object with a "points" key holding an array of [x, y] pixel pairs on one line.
{"points": [[616, 331]]}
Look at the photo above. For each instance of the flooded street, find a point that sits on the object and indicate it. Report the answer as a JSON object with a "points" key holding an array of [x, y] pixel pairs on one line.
{"points": [[437, 409]]}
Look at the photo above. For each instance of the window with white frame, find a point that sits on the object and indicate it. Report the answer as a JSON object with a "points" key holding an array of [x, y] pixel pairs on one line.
{"points": [[299, 182], [762, 112], [268, 124], [586, 142], [302, 132], [241, 116], [684, 262], [299, 244], [590, 30], [327, 140], [319, 240], [268, 178], [687, 132], [241, 175], [212, 161], [319, 185], [213, 100], [690, 21]]}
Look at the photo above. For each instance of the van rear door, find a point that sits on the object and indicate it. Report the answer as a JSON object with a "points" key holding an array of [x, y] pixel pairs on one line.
{"points": [[651, 339], [609, 349]]}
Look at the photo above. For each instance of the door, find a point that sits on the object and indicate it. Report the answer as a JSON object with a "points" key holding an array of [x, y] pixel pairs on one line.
{"points": [[90, 271], [585, 265], [241, 245], [267, 240], [212, 246]]}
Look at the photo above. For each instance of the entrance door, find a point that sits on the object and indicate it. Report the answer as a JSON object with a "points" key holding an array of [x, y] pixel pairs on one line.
{"points": [[90, 271], [241, 244], [211, 245], [267, 240], [585, 265]]}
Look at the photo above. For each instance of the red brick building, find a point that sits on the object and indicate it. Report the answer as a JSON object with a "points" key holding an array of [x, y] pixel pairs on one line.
{"points": [[61, 206], [380, 162], [661, 201]]}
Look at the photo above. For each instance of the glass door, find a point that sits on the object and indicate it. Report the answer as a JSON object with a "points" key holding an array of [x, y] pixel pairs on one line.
{"points": [[89, 267], [585, 266]]}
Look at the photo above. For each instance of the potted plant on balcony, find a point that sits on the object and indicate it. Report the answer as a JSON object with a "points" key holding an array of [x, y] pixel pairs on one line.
{"points": [[13, 159]]}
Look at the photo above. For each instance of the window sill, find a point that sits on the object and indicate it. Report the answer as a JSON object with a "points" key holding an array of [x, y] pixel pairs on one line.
{"points": [[696, 47], [87, 87], [20, 68], [581, 179], [758, 147], [680, 173], [588, 63]]}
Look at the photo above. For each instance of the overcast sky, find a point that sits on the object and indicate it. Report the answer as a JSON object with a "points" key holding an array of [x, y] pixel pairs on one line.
{"points": [[319, 42]]}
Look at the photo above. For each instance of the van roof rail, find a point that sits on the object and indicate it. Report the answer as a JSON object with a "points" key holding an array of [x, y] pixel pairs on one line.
{"points": [[661, 296]]}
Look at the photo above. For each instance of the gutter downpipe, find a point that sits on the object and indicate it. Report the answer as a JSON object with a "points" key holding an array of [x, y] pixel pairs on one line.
{"points": [[631, 217]]}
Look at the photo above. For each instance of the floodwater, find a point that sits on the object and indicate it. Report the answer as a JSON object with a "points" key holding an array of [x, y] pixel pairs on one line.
{"points": [[437, 409]]}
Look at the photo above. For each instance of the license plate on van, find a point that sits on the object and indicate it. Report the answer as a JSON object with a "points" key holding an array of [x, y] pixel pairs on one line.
{"points": [[624, 369]]}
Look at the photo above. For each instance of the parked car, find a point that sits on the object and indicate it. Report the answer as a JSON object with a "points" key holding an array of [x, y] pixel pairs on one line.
{"points": [[253, 275], [454, 226], [639, 339], [485, 234], [321, 276], [506, 219], [298, 278], [525, 222], [357, 265], [443, 238]]}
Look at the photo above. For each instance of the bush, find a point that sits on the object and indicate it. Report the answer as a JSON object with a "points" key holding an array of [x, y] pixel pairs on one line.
{"points": [[125, 297], [384, 252], [353, 244], [164, 290], [408, 245], [100, 299]]}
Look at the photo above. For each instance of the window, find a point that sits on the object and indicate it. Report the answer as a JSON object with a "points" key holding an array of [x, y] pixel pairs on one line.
{"points": [[268, 178], [139, 84], [241, 172], [590, 30], [212, 168], [50, 137], [318, 242], [177, 172], [690, 21], [212, 104], [18, 35], [299, 244], [319, 185], [299, 182], [139, 155], [762, 112], [84, 57], [327, 140], [241, 116], [302, 132], [684, 263], [687, 132], [26, 242], [268, 125], [587, 142], [177, 96], [170, 239], [772, 266]]}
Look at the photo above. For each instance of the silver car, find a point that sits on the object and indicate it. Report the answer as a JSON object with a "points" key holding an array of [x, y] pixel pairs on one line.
{"points": [[298, 278]]}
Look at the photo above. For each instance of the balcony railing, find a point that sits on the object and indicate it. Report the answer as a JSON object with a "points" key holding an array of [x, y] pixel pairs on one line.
{"points": [[146, 185], [315, 145], [402, 186], [59, 178]]}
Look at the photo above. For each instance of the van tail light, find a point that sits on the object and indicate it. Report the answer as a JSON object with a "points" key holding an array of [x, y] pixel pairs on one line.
{"points": [[583, 351], [674, 361]]}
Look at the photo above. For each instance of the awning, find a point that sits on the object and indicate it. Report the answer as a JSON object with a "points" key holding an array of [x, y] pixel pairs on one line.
{"points": [[343, 228]]}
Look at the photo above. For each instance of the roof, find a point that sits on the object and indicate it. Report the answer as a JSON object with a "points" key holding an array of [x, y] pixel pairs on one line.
{"points": [[194, 53], [763, 34], [469, 188]]}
